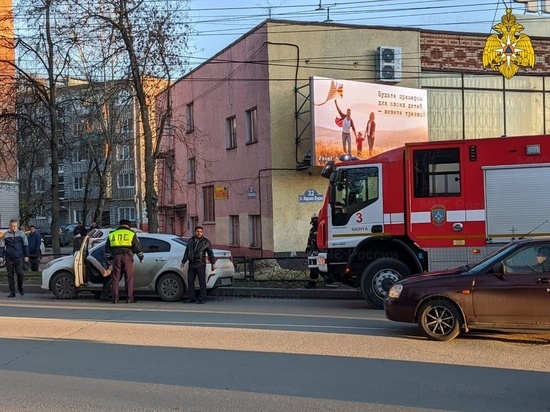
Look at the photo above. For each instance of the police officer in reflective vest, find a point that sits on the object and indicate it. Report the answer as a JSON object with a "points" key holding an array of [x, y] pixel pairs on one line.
{"points": [[121, 245]]}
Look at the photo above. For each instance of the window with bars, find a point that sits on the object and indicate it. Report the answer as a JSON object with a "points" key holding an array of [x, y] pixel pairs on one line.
{"points": [[255, 231], [208, 207], [234, 230], [251, 126], [231, 132]]}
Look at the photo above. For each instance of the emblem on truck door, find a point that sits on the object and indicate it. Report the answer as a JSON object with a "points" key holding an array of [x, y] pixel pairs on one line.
{"points": [[438, 215]]}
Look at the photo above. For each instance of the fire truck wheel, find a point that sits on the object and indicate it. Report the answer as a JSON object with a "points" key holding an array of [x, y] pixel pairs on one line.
{"points": [[379, 276]]}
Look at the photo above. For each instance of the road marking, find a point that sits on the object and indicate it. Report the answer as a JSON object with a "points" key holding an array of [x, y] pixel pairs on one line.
{"points": [[243, 324]]}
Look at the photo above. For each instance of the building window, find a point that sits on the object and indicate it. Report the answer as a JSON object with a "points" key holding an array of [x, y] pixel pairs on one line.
{"points": [[191, 167], [128, 213], [123, 152], [77, 128], [42, 212], [234, 230], [77, 215], [61, 187], [436, 172], [80, 155], [251, 126], [189, 121], [40, 186], [209, 207], [231, 132], [255, 231], [78, 183], [192, 223], [126, 126], [126, 180]]}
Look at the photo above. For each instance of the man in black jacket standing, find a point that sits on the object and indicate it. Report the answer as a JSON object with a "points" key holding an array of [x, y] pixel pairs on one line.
{"points": [[195, 252], [14, 247]]}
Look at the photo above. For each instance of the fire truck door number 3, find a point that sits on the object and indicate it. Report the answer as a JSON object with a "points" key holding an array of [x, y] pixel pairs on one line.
{"points": [[359, 217]]}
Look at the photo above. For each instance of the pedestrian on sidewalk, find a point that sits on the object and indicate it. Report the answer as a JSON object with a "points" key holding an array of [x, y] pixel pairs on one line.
{"points": [[14, 248], [35, 240], [195, 252]]}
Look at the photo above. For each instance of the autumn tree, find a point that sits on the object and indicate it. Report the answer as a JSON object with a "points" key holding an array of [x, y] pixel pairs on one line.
{"points": [[152, 39]]}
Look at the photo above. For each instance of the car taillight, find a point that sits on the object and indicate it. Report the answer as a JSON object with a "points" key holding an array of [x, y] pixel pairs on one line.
{"points": [[207, 260]]}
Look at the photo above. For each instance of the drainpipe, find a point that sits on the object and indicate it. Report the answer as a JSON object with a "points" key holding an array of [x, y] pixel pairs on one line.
{"points": [[296, 131]]}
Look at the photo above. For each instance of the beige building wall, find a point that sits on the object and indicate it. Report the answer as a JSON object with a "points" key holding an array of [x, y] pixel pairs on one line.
{"points": [[334, 52]]}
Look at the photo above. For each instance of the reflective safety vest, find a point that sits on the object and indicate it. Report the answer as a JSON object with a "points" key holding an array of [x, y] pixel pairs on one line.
{"points": [[121, 238]]}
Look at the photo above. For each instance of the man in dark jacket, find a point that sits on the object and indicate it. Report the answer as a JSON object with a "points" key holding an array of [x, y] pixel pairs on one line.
{"points": [[121, 245], [195, 252], [35, 240], [14, 248]]}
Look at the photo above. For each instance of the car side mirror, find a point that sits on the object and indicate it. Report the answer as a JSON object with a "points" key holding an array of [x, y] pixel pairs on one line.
{"points": [[498, 268]]}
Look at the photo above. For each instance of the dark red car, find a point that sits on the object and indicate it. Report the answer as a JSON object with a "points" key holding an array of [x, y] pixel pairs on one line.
{"points": [[509, 289]]}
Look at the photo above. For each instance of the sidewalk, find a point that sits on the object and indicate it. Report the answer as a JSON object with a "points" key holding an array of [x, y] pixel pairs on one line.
{"points": [[255, 292]]}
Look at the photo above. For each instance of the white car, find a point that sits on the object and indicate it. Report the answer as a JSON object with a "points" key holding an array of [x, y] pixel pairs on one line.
{"points": [[160, 271]]}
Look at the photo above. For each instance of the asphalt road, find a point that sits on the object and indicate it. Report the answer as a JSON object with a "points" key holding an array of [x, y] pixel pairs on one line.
{"points": [[254, 354]]}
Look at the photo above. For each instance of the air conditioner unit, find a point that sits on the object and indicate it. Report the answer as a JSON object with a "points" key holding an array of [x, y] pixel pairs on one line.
{"points": [[388, 64]]}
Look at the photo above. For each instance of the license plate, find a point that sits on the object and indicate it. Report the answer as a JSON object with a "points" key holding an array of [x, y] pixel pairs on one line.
{"points": [[226, 281]]}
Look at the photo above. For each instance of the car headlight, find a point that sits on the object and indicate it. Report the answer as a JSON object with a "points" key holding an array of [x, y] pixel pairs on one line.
{"points": [[395, 291]]}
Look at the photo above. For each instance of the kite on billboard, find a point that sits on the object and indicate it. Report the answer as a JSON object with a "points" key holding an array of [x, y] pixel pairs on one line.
{"points": [[369, 119], [336, 91]]}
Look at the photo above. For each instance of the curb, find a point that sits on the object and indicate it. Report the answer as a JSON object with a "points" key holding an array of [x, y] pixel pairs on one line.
{"points": [[289, 293], [255, 292]]}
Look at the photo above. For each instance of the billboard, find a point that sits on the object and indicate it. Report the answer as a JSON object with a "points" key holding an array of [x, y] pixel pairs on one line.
{"points": [[364, 119]]}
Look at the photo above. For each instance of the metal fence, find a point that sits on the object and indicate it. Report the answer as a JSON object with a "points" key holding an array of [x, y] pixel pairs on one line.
{"points": [[270, 269]]}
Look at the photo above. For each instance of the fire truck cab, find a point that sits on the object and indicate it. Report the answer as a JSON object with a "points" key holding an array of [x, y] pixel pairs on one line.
{"points": [[429, 206]]}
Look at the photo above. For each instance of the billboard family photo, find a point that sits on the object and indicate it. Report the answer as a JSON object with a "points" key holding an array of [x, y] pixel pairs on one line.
{"points": [[364, 119]]}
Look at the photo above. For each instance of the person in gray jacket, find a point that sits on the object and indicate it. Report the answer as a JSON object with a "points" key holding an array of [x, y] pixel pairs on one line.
{"points": [[195, 252], [14, 248]]}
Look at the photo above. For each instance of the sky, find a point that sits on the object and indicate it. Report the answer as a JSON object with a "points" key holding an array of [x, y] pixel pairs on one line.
{"points": [[218, 23]]}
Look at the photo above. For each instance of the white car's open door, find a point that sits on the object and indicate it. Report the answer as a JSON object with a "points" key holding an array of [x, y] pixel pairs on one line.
{"points": [[80, 263]]}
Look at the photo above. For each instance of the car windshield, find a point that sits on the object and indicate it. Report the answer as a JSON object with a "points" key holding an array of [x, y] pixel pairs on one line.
{"points": [[490, 259]]}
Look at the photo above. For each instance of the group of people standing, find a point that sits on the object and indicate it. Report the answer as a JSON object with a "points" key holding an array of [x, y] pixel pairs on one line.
{"points": [[121, 246], [346, 122]]}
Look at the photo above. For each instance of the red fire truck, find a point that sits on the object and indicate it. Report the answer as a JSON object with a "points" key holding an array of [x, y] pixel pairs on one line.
{"points": [[430, 205]]}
